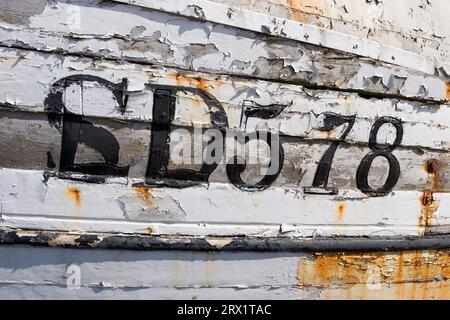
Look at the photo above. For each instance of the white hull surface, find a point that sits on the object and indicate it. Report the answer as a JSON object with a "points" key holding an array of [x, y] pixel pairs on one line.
{"points": [[95, 97]]}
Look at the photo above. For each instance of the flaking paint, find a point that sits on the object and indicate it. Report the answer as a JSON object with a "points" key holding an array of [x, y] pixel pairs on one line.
{"points": [[391, 275]]}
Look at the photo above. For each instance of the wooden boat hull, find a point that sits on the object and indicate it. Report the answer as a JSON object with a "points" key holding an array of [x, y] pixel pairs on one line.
{"points": [[108, 110]]}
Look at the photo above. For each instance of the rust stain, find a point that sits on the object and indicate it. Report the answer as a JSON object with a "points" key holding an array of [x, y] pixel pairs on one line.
{"points": [[378, 275], [415, 259], [74, 194], [447, 94], [149, 230], [200, 83], [218, 82], [145, 193], [307, 9], [3, 59], [428, 207], [399, 274], [95, 65], [8, 19], [180, 79], [341, 211], [197, 102], [329, 133], [295, 10], [434, 168]]}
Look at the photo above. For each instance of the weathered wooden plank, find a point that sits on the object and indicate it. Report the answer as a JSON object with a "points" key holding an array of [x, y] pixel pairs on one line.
{"points": [[27, 194], [416, 205], [403, 275], [128, 32], [162, 265], [98, 91], [95, 97], [30, 142], [393, 23], [34, 145], [68, 273], [54, 292], [250, 20], [41, 141], [301, 116]]}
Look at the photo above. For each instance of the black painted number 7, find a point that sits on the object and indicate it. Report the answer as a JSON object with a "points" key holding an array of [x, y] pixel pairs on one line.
{"points": [[330, 122]]}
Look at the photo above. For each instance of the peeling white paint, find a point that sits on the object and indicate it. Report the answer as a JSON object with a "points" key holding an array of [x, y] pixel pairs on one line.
{"points": [[212, 47], [253, 21]]}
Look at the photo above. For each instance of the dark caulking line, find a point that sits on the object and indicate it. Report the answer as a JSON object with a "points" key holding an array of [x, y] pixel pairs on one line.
{"points": [[147, 242]]}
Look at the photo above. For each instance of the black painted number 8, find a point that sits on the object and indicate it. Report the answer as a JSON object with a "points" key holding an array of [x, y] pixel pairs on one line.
{"points": [[362, 174]]}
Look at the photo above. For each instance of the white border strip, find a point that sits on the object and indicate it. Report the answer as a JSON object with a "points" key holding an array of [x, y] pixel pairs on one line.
{"points": [[289, 29]]}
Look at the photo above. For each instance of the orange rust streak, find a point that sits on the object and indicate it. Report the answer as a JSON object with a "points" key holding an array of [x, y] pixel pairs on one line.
{"points": [[182, 80], [145, 193], [398, 274], [434, 168], [196, 102], [201, 84], [447, 95], [428, 204], [75, 194], [329, 133], [149, 230], [379, 275], [218, 81], [321, 268], [341, 210], [415, 260], [308, 7], [428, 207], [295, 9]]}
